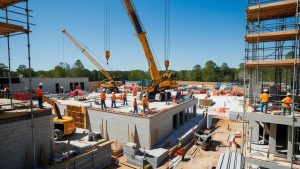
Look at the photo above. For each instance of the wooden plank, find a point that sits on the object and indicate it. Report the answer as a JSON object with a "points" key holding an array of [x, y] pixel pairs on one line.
{"points": [[7, 3], [6, 28], [272, 36], [273, 10], [272, 64]]}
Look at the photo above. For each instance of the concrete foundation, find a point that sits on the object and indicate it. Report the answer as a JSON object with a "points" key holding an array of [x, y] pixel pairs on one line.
{"points": [[145, 130], [16, 144]]}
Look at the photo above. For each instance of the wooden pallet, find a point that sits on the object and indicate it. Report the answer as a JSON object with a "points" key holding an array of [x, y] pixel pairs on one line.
{"points": [[79, 114]]}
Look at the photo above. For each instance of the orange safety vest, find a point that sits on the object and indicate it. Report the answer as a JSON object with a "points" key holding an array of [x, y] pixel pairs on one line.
{"points": [[39, 92], [113, 97], [181, 152], [145, 101], [124, 95], [264, 97], [286, 102], [134, 102], [102, 96]]}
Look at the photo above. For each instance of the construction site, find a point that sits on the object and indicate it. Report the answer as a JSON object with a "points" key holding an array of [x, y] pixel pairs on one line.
{"points": [[163, 122]]}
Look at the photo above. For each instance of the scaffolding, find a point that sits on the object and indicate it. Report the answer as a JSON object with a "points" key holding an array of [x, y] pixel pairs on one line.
{"points": [[15, 20], [272, 61]]}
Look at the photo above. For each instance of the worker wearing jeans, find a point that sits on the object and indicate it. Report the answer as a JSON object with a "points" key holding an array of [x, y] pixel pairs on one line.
{"points": [[135, 107], [103, 98], [286, 104], [145, 103], [264, 100], [113, 100], [124, 96]]}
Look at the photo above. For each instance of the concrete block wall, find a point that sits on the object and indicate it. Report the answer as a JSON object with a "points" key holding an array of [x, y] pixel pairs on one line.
{"points": [[163, 122], [150, 131], [16, 140], [120, 127]]}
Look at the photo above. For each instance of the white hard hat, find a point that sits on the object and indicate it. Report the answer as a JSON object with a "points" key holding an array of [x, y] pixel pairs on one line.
{"points": [[41, 84], [265, 90], [144, 95], [134, 97], [61, 87], [113, 92], [103, 90], [288, 94]]}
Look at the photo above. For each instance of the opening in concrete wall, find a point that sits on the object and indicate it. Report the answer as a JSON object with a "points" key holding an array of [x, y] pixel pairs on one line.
{"points": [[181, 114], [175, 121], [281, 141]]}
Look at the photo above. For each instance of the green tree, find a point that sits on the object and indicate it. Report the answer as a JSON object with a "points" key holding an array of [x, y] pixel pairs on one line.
{"points": [[23, 70], [196, 73], [3, 70], [210, 73], [78, 69]]}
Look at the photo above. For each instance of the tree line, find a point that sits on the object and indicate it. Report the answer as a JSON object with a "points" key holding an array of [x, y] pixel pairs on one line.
{"points": [[211, 72]]}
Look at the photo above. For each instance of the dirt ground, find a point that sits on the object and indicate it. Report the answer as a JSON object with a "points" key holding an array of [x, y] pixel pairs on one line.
{"points": [[200, 159], [196, 158]]}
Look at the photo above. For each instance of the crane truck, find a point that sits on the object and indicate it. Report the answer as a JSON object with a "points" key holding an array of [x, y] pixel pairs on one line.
{"points": [[110, 83], [159, 83]]}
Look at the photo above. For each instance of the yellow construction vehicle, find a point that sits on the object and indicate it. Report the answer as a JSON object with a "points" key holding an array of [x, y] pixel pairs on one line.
{"points": [[63, 125], [159, 83], [110, 84]]}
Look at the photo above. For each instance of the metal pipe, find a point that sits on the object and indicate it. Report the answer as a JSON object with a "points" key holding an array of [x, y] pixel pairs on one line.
{"points": [[30, 85], [9, 62]]}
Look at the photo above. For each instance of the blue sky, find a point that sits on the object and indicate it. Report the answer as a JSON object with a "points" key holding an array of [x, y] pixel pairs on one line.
{"points": [[201, 30]]}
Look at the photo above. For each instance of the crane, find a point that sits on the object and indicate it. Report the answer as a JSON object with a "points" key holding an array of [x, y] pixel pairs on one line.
{"points": [[159, 83], [110, 83]]}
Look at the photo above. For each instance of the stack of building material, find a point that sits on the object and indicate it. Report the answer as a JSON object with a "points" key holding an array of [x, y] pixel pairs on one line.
{"points": [[230, 160], [130, 150], [97, 157], [156, 156]]}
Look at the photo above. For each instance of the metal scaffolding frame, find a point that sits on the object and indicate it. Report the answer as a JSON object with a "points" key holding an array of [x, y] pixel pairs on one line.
{"points": [[272, 50], [16, 21]]}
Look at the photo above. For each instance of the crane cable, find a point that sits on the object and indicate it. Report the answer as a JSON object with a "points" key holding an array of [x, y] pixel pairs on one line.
{"points": [[167, 51], [107, 29]]}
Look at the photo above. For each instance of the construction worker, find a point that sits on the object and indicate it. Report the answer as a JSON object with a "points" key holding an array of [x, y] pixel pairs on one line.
{"points": [[264, 100], [61, 90], [39, 95], [180, 151], [178, 95], [135, 107], [102, 99], [145, 103], [113, 100], [6, 93], [286, 103], [124, 97]]}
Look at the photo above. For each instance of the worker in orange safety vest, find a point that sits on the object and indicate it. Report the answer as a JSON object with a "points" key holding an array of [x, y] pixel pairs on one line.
{"points": [[180, 151], [39, 95], [135, 107], [145, 103], [124, 97], [286, 104], [102, 99], [264, 100], [113, 100]]}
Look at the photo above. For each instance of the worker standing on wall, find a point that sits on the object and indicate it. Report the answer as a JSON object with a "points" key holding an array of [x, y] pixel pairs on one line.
{"points": [[180, 151], [102, 99], [113, 100], [264, 100], [39, 95], [286, 103], [145, 103], [135, 107], [124, 97]]}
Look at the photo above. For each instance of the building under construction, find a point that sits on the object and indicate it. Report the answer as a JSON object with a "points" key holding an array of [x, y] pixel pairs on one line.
{"points": [[272, 62]]}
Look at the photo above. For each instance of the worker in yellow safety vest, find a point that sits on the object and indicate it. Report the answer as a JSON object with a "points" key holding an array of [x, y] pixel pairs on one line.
{"points": [[264, 100], [286, 104]]}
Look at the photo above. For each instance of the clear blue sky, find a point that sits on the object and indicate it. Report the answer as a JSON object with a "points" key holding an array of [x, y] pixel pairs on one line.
{"points": [[201, 30]]}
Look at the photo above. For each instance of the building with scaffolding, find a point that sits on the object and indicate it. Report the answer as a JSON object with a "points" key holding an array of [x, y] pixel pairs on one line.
{"points": [[26, 131], [271, 140]]}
